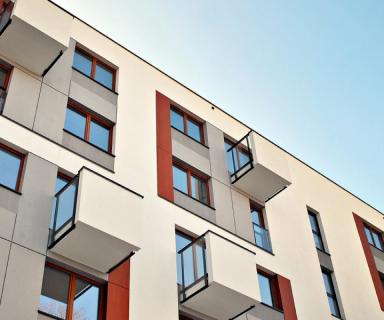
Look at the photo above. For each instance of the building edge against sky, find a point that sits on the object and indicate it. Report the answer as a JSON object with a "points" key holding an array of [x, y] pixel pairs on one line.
{"points": [[122, 189]]}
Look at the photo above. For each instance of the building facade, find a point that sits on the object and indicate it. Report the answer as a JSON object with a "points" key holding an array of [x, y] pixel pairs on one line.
{"points": [[125, 195]]}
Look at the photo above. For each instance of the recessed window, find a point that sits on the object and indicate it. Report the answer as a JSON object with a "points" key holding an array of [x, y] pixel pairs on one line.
{"points": [[191, 183], [67, 295], [332, 300], [88, 127], [269, 290], [262, 238], [94, 68], [374, 237], [5, 73], [11, 164], [237, 158], [316, 231], [182, 240], [185, 123]]}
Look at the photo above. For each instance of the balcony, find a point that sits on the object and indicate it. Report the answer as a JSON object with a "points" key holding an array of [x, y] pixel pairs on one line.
{"points": [[34, 34], [96, 221], [258, 167], [262, 237], [219, 277]]}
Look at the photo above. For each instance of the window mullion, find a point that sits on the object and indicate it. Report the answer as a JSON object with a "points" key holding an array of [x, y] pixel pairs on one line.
{"points": [[189, 182], [185, 124], [88, 127], [93, 72], [71, 297]]}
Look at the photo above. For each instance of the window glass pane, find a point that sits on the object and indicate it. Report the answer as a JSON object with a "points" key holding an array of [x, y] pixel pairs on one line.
{"points": [[369, 237], [199, 189], [54, 293], [86, 301], [200, 255], [104, 75], [377, 239], [75, 122], [334, 307], [230, 164], [177, 120], [327, 282], [265, 289], [99, 135], [244, 157], [256, 218], [181, 242], [318, 242], [83, 63], [66, 205], [194, 130], [3, 76], [312, 219], [60, 183], [9, 168], [188, 266], [180, 179]]}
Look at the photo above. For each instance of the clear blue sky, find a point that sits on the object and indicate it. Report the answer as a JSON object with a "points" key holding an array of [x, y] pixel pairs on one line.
{"points": [[308, 75]]}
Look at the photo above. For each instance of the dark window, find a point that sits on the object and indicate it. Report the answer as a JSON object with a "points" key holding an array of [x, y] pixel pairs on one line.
{"points": [[191, 183], [61, 181], [374, 237], [94, 68], [11, 164], [5, 73], [88, 127], [237, 157], [181, 317], [332, 300], [185, 123], [382, 280], [269, 290], [316, 231], [67, 295]]}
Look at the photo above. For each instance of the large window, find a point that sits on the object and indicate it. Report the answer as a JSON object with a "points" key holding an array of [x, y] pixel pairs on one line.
{"points": [[69, 296], [330, 289], [88, 127], [269, 290], [11, 164], [237, 157], [5, 73], [185, 123], [316, 231], [190, 183], [262, 238], [374, 237], [94, 68]]}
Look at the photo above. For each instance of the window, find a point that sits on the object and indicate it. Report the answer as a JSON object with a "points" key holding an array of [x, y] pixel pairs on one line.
{"points": [[191, 183], [332, 300], [374, 237], [61, 181], [5, 73], [94, 68], [185, 123], [88, 127], [182, 240], [316, 231], [67, 295], [11, 164], [237, 157], [261, 234], [269, 290]]}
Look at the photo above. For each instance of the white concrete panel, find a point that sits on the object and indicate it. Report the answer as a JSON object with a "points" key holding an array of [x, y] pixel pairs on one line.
{"points": [[7, 224], [223, 205], [4, 254]]}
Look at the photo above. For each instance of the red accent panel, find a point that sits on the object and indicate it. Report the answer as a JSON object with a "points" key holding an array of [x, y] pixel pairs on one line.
{"points": [[164, 147], [120, 276], [370, 260], [287, 298]]}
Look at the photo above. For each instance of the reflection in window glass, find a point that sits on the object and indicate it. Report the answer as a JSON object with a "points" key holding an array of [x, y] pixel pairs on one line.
{"points": [[9, 168], [177, 120], [265, 289], [82, 63], [377, 239], [104, 75], [99, 135], [66, 205], [199, 189], [256, 217], [243, 157], [369, 236], [86, 300], [180, 180], [181, 242], [54, 293], [3, 76], [75, 122], [331, 294], [60, 183], [194, 130], [231, 157], [316, 231]]}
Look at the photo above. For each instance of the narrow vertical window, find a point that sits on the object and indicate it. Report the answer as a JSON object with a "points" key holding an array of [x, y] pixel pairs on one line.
{"points": [[5, 73], [316, 231], [269, 291], [332, 300], [11, 164], [262, 238]]}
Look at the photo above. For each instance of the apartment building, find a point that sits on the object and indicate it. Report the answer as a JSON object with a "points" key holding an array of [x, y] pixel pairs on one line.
{"points": [[125, 195]]}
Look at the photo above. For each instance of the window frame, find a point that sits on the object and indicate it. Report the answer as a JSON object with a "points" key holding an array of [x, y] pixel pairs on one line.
{"points": [[317, 233], [93, 70], [21, 167], [259, 210], [238, 149], [379, 233], [89, 118], [189, 173], [185, 123], [8, 76], [274, 288], [71, 290], [333, 296]]}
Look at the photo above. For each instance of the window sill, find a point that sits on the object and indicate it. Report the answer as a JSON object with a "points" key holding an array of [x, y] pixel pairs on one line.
{"points": [[273, 308], [91, 144], [336, 317], [195, 199], [49, 315], [325, 252], [85, 75], [261, 248], [10, 189], [190, 137]]}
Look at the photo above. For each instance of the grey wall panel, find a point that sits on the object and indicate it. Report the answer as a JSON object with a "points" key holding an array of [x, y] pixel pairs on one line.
{"points": [[7, 223], [194, 206], [4, 253], [22, 98], [325, 260], [87, 150], [50, 115], [217, 154], [34, 216], [379, 259], [243, 217], [264, 312], [59, 77], [190, 143], [94, 87], [9, 200], [223, 205], [22, 287]]}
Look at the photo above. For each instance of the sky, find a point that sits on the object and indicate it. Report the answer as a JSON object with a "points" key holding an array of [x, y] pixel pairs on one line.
{"points": [[308, 75]]}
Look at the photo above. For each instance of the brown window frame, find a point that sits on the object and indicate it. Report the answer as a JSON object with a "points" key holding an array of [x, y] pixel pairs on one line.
{"points": [[21, 167], [71, 289], [189, 172], [275, 292], [379, 233], [93, 70], [259, 210], [89, 118], [8, 75], [185, 118]]}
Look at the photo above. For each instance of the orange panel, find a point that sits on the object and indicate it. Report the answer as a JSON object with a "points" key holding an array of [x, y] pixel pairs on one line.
{"points": [[120, 276], [287, 298], [117, 303], [164, 175]]}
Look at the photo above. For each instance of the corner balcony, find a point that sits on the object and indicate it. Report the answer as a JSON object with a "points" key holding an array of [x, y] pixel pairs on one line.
{"points": [[96, 221], [34, 34], [258, 167], [219, 277]]}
